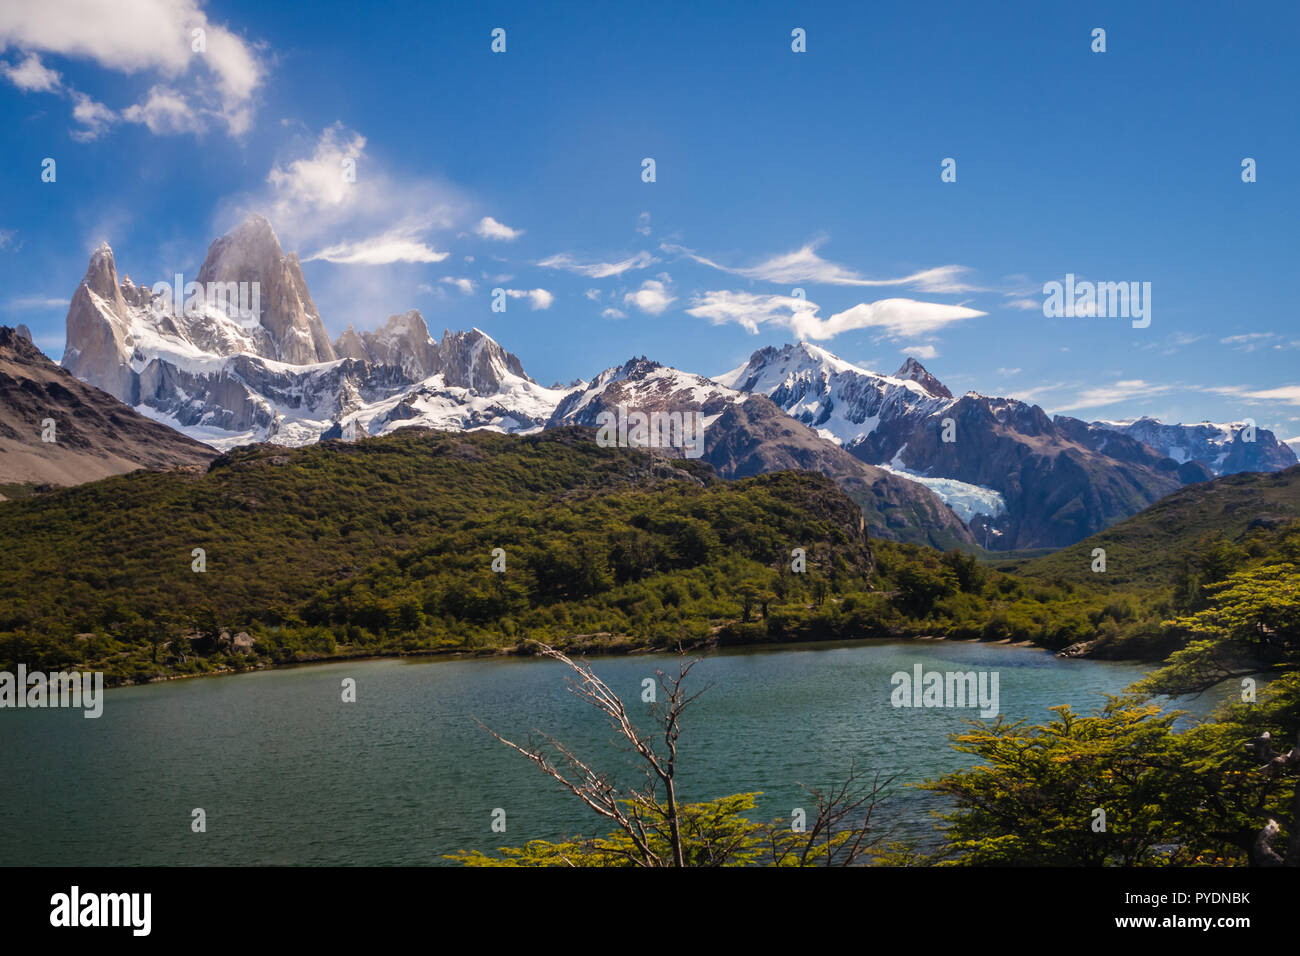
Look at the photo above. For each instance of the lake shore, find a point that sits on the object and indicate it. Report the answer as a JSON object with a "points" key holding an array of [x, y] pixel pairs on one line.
{"points": [[598, 650]]}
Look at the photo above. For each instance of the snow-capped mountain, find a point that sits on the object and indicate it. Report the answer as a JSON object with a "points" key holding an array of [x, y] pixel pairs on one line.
{"points": [[642, 385], [838, 399], [1224, 448], [1020, 478], [255, 363], [746, 435]]}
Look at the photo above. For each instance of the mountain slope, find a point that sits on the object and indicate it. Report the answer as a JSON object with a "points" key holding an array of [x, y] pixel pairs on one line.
{"points": [[1020, 478], [755, 437], [747, 435], [1149, 546], [96, 435]]}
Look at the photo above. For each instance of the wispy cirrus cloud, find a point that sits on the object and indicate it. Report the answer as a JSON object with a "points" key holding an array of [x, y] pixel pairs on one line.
{"points": [[37, 302], [379, 250], [805, 265], [598, 270], [1102, 396], [1286, 394], [897, 318], [1254, 341]]}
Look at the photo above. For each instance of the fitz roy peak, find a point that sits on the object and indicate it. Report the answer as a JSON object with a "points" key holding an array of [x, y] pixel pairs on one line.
{"points": [[228, 373]]}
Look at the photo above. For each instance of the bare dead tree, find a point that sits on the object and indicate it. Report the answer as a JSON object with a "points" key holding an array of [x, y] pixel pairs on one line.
{"points": [[638, 812], [842, 832], [839, 835], [1276, 765]]}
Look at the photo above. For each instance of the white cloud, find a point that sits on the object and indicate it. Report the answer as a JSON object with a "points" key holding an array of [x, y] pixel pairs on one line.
{"points": [[32, 76], [465, 285], [37, 302], [598, 270], [613, 314], [1127, 390], [318, 181], [538, 298], [1034, 395], [489, 228], [1025, 305], [643, 224], [379, 250], [804, 265], [146, 36], [747, 309], [1008, 372], [331, 195], [165, 112], [93, 117], [653, 297], [1251, 341], [920, 351], [1287, 394], [897, 318], [593, 294]]}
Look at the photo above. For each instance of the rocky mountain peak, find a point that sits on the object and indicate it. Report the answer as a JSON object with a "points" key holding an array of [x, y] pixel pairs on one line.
{"points": [[17, 344], [250, 250], [914, 371], [251, 253], [101, 272], [475, 361]]}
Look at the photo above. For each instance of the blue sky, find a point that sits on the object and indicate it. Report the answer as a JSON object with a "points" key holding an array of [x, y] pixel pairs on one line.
{"points": [[774, 170]]}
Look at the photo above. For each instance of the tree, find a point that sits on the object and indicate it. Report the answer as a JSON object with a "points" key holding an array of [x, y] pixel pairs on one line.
{"points": [[1277, 765], [1251, 625], [655, 829], [1108, 789]]}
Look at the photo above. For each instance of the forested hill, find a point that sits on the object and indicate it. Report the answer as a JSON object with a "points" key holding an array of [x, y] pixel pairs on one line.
{"points": [[1152, 547], [388, 544]]}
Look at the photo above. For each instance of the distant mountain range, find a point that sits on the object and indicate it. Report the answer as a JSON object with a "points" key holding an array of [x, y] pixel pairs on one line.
{"points": [[924, 465]]}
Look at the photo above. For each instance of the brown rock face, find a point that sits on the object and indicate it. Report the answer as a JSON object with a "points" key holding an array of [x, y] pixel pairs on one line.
{"points": [[755, 437], [94, 434]]}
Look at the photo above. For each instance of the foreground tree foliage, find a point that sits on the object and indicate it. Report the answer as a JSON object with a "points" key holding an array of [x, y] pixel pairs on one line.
{"points": [[1223, 792], [655, 829]]}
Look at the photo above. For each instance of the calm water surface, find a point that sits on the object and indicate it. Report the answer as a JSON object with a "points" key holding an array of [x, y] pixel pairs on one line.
{"points": [[288, 774]]}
